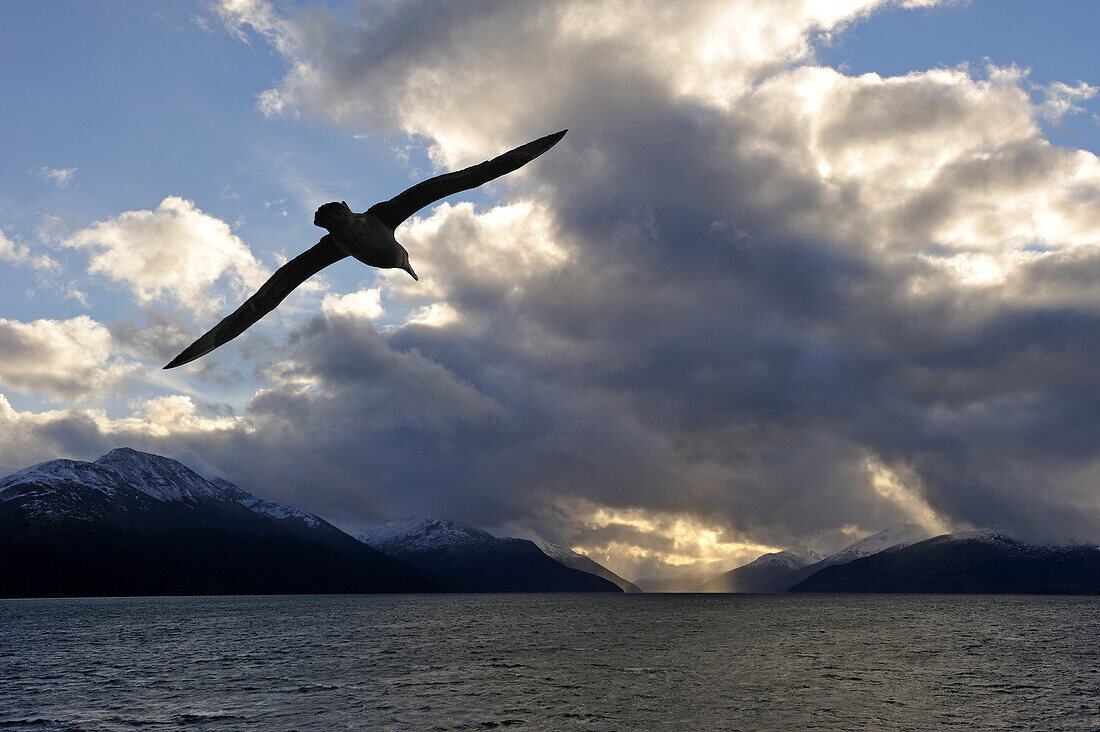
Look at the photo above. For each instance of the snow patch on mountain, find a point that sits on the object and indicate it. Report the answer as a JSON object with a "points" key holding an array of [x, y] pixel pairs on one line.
{"points": [[413, 534], [55, 484], [263, 506], [986, 536], [781, 560], [894, 537], [157, 477], [556, 551]]}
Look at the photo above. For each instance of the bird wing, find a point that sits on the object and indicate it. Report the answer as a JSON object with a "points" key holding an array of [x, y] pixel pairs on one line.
{"points": [[273, 292], [408, 202]]}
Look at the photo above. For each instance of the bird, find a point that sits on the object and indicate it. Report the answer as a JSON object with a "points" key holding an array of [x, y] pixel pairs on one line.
{"points": [[366, 236]]}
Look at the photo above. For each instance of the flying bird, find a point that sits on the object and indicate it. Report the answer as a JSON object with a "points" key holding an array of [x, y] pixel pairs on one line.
{"points": [[366, 236]]}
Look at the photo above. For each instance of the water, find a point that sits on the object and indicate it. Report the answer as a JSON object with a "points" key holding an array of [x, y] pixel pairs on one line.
{"points": [[551, 661]]}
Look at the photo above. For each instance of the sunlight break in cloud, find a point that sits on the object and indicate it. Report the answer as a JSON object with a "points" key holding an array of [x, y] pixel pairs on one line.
{"points": [[658, 543]]}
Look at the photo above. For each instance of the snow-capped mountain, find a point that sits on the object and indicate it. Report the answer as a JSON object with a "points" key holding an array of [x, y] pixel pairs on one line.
{"points": [[471, 560], [894, 537], [889, 539], [568, 557], [132, 523], [412, 535], [59, 488], [975, 562]]}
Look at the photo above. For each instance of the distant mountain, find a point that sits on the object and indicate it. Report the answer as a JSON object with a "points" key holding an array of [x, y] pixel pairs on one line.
{"points": [[966, 563], [132, 523], [568, 557], [686, 582], [779, 571], [471, 560], [769, 573]]}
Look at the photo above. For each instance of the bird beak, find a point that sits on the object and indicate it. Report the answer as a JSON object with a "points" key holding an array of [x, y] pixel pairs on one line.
{"points": [[408, 268]]}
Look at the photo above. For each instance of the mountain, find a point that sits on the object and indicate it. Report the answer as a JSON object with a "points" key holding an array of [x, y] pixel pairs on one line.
{"points": [[778, 571], [965, 563], [892, 537], [686, 582], [132, 523], [769, 573], [573, 560], [471, 560], [896, 536]]}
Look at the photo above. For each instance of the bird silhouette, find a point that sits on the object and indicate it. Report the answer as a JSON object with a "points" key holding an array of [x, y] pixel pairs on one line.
{"points": [[366, 236]]}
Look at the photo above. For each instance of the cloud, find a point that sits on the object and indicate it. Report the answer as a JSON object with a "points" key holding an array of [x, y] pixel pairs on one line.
{"points": [[647, 543], [176, 253], [748, 302], [372, 417], [67, 359], [361, 304], [20, 255], [60, 177], [1061, 99], [436, 83], [260, 17]]}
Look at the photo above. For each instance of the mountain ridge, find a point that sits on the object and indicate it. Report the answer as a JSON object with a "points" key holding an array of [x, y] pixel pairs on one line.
{"points": [[973, 562], [568, 557], [765, 574], [474, 560], [133, 523]]}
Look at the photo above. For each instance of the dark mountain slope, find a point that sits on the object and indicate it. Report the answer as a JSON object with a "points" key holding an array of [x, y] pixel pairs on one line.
{"points": [[983, 563], [132, 523], [471, 560]]}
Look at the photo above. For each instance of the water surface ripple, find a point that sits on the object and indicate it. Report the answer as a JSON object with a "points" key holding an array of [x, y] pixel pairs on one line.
{"points": [[551, 661]]}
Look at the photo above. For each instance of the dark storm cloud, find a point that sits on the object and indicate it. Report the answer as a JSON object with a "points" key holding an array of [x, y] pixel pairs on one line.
{"points": [[764, 294]]}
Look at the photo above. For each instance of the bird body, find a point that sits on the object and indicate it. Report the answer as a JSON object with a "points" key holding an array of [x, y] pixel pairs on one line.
{"points": [[368, 237], [363, 236]]}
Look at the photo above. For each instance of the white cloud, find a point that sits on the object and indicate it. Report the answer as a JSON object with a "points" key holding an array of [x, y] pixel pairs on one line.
{"points": [[500, 249], [176, 252], [171, 415], [436, 315], [365, 304], [261, 17], [1061, 99], [278, 205], [159, 424], [937, 167], [60, 177], [439, 83], [21, 255], [71, 359]]}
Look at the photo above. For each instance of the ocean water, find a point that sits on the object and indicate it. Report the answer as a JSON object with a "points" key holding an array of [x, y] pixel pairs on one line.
{"points": [[551, 662]]}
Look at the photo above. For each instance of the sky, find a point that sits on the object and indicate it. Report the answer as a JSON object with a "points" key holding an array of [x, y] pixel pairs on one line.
{"points": [[800, 270]]}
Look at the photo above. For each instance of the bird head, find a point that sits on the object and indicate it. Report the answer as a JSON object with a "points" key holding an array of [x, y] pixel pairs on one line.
{"points": [[331, 215], [403, 262]]}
